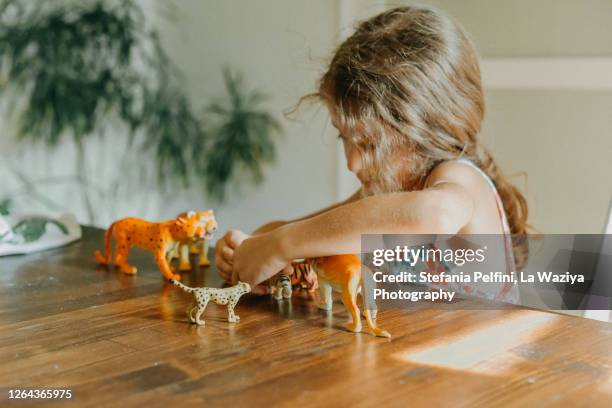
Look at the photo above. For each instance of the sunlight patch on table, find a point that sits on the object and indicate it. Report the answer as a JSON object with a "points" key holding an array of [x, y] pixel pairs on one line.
{"points": [[606, 386], [485, 350]]}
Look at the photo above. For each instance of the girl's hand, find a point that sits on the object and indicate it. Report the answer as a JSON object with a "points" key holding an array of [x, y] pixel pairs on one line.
{"points": [[224, 252], [258, 258], [224, 258]]}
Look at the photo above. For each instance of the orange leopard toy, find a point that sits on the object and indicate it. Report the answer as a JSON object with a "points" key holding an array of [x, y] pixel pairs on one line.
{"points": [[343, 274], [157, 237]]}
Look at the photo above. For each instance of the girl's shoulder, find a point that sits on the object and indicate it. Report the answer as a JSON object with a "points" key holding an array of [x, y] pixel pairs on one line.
{"points": [[477, 186], [457, 171]]}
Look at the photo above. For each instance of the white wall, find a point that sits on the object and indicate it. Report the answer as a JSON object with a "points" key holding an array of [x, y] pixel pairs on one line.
{"points": [[279, 46]]}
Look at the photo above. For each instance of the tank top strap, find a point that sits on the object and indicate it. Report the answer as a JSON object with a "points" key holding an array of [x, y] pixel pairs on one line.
{"points": [[498, 200], [510, 264]]}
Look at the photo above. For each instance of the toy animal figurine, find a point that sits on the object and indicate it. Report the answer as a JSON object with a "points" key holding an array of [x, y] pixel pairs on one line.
{"points": [[156, 237], [280, 286], [343, 273], [302, 276], [195, 245], [225, 296]]}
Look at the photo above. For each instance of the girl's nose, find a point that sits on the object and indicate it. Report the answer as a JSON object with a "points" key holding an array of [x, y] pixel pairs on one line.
{"points": [[353, 159]]}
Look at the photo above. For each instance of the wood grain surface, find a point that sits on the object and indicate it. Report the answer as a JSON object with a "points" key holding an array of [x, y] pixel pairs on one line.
{"points": [[119, 340]]}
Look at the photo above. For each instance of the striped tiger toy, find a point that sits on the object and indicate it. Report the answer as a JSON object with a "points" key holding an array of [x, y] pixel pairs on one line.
{"points": [[303, 276]]}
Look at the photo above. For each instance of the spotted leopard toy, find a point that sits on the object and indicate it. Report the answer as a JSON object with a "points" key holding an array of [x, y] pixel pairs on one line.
{"points": [[221, 296]]}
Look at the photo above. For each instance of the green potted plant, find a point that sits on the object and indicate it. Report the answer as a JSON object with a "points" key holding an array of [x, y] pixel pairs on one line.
{"points": [[70, 68]]}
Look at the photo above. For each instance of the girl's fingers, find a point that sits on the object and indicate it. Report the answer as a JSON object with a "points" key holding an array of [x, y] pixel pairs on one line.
{"points": [[227, 254], [235, 238], [224, 268], [261, 289], [288, 270], [226, 277]]}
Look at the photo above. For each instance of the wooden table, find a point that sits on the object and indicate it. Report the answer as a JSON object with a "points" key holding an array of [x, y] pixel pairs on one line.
{"points": [[115, 339]]}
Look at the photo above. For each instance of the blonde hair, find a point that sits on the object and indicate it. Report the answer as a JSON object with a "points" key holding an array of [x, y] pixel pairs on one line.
{"points": [[408, 80]]}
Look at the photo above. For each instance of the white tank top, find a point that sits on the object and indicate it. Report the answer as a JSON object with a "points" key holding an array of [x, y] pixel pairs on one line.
{"points": [[508, 292]]}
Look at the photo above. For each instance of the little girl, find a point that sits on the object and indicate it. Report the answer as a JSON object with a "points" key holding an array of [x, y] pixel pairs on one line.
{"points": [[404, 92]]}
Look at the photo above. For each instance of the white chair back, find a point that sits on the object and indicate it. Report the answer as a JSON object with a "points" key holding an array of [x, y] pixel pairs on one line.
{"points": [[605, 276]]}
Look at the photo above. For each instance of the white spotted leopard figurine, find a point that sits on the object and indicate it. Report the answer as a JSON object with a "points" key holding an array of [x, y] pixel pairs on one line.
{"points": [[221, 296]]}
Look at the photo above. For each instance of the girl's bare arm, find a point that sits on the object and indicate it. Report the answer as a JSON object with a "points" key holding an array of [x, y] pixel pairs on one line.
{"points": [[225, 247], [441, 210], [275, 224]]}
